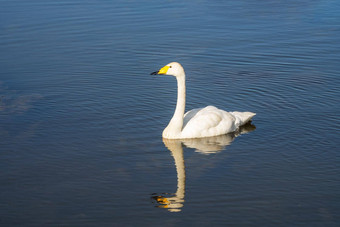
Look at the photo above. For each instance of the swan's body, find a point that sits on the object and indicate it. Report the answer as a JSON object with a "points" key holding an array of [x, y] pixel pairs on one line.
{"points": [[197, 123]]}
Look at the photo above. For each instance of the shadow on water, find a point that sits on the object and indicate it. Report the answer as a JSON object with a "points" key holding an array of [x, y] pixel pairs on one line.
{"points": [[209, 145]]}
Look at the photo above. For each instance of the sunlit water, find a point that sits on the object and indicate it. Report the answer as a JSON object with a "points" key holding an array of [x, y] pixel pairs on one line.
{"points": [[81, 118]]}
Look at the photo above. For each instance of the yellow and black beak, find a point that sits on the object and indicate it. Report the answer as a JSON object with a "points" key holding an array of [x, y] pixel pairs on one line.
{"points": [[162, 71]]}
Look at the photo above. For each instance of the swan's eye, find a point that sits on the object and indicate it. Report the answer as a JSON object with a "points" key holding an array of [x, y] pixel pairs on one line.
{"points": [[170, 67]]}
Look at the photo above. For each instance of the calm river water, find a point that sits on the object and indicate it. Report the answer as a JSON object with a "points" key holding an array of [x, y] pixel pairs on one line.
{"points": [[81, 118]]}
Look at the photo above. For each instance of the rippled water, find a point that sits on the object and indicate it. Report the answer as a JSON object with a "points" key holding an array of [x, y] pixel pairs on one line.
{"points": [[81, 118]]}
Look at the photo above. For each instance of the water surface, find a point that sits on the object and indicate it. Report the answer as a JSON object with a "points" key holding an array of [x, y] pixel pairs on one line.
{"points": [[81, 118]]}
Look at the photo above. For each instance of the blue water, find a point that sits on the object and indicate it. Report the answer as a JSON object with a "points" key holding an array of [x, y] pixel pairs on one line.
{"points": [[81, 119]]}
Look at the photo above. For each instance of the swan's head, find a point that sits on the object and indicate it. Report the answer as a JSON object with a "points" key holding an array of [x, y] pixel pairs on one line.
{"points": [[173, 69]]}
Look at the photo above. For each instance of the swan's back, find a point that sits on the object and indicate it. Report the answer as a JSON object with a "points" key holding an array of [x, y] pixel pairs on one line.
{"points": [[210, 121]]}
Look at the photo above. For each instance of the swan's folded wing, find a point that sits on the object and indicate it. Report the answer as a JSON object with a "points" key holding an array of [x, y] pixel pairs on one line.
{"points": [[208, 121]]}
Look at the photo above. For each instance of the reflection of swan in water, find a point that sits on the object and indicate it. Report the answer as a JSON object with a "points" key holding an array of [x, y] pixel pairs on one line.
{"points": [[175, 203], [209, 145]]}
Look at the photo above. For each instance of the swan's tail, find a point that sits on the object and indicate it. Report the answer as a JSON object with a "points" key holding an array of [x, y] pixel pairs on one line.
{"points": [[243, 117]]}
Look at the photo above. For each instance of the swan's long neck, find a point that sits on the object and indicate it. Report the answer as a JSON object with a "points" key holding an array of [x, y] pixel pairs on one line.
{"points": [[174, 128], [177, 119]]}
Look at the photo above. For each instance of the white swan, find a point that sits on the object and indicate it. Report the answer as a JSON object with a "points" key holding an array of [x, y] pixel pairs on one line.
{"points": [[197, 123]]}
